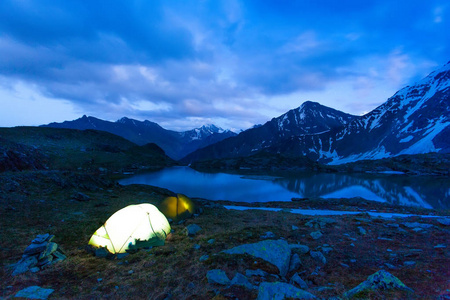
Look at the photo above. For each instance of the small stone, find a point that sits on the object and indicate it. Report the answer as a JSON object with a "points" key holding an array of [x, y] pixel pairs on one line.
{"points": [[45, 261], [417, 225], [51, 247], [122, 255], [345, 265], [259, 272], [217, 276], [192, 229], [102, 252], [196, 246], [211, 241], [241, 280], [204, 257], [281, 290], [130, 272], [268, 235], [298, 281], [390, 266], [35, 249], [317, 255], [440, 246], [444, 221], [361, 230], [34, 270], [78, 196], [409, 263], [99, 280], [24, 265], [294, 227], [326, 249], [300, 249], [295, 262], [381, 280], [40, 238], [34, 292], [316, 235]]}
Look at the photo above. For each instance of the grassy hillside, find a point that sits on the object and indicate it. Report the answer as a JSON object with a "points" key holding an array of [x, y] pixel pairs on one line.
{"points": [[68, 149]]}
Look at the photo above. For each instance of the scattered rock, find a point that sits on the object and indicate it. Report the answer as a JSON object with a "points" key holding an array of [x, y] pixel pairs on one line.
{"points": [[102, 252], [259, 272], [276, 252], [316, 235], [295, 262], [326, 249], [417, 225], [217, 276], [268, 235], [39, 254], [241, 280], [317, 255], [192, 229], [300, 249], [321, 222], [444, 221], [361, 230], [211, 241], [34, 292], [281, 290], [204, 257], [196, 246], [294, 227], [78, 196], [381, 280], [297, 280]]}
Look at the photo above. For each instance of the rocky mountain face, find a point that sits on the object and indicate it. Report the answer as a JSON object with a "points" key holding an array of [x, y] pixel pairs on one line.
{"points": [[415, 120], [175, 144], [310, 118]]}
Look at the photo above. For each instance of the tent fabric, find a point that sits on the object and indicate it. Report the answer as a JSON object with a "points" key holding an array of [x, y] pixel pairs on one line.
{"points": [[177, 207], [132, 227]]}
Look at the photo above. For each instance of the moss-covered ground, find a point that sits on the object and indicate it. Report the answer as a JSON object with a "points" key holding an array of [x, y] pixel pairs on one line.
{"points": [[36, 202]]}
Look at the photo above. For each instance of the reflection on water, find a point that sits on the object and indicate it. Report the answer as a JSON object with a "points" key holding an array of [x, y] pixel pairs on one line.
{"points": [[428, 192]]}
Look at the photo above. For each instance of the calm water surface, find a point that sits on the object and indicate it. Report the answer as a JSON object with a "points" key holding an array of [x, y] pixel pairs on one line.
{"points": [[420, 191]]}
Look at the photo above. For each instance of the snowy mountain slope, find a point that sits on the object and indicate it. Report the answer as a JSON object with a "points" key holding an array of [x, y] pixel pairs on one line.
{"points": [[415, 120], [175, 144], [309, 118]]}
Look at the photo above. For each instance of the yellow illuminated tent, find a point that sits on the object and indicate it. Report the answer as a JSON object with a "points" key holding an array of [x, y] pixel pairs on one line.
{"points": [[132, 227], [177, 207]]}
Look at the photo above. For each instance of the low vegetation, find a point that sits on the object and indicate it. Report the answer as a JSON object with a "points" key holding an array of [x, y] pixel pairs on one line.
{"points": [[40, 194]]}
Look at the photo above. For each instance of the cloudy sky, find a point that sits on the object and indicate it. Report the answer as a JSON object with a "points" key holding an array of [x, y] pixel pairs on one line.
{"points": [[233, 63]]}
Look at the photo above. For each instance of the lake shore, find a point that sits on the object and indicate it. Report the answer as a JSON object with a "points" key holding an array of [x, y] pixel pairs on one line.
{"points": [[414, 249]]}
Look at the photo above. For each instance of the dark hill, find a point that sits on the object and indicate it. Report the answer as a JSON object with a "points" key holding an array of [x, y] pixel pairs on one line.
{"points": [[69, 149]]}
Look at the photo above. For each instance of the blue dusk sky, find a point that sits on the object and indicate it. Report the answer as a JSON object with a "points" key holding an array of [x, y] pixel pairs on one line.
{"points": [[233, 63]]}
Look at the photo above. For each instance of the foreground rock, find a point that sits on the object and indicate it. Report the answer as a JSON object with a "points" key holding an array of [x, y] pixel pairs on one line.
{"points": [[276, 252], [281, 290], [34, 292], [40, 254], [381, 280]]}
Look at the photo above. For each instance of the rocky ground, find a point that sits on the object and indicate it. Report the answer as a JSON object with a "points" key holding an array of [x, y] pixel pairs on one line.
{"points": [[325, 257]]}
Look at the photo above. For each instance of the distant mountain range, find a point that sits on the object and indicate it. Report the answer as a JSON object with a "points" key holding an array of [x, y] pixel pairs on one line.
{"points": [[415, 120], [175, 144]]}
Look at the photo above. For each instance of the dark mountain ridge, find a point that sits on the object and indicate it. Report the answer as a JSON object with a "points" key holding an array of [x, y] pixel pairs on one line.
{"points": [[175, 144], [415, 120]]}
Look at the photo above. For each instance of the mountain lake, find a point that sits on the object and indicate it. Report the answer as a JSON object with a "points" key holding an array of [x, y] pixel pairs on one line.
{"points": [[418, 191]]}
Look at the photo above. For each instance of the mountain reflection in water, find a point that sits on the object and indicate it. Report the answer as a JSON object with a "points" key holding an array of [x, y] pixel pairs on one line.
{"points": [[419, 191]]}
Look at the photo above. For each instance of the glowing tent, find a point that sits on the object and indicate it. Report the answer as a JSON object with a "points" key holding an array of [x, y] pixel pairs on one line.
{"points": [[178, 207], [132, 227]]}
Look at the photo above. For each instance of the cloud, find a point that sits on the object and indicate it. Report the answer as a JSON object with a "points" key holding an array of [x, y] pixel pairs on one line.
{"points": [[237, 62]]}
